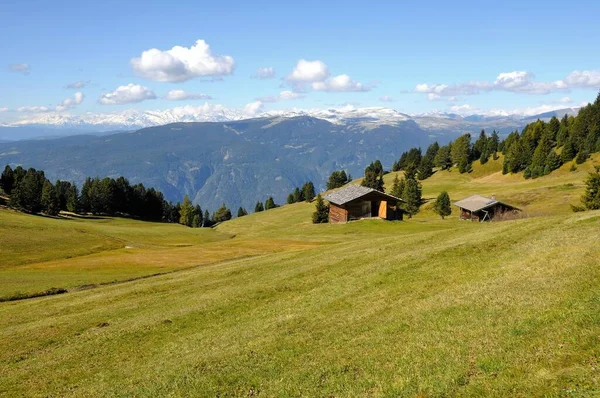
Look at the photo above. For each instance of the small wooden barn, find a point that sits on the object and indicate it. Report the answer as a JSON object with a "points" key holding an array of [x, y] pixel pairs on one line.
{"points": [[355, 202], [480, 208]]}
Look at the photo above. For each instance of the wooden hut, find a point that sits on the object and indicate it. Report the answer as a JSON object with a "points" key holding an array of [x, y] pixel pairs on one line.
{"points": [[355, 202], [480, 208]]}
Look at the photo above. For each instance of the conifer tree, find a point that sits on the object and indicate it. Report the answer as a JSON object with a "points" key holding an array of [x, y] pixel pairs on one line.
{"points": [[443, 159], [49, 199], [308, 191], [290, 199], [412, 196], [242, 212], [186, 213], [337, 179], [442, 205], [259, 207], [298, 195], [206, 221], [461, 153], [321, 214], [591, 197], [270, 203], [222, 214], [196, 221], [7, 180], [425, 169], [397, 187], [72, 199], [568, 150]]}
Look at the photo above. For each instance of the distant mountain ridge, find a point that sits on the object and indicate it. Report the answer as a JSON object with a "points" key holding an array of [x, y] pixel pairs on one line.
{"points": [[237, 162], [55, 124], [242, 161]]}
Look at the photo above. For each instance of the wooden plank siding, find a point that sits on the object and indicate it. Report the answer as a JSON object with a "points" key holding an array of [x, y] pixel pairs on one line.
{"points": [[337, 214]]}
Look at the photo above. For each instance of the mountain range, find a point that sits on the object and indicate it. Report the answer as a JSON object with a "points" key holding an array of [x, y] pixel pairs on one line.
{"points": [[236, 161]]}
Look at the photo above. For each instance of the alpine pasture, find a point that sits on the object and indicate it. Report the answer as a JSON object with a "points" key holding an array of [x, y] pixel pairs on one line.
{"points": [[272, 305]]}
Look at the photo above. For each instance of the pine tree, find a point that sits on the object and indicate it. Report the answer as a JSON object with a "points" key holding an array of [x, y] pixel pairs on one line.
{"points": [[337, 179], [397, 187], [259, 207], [7, 180], [290, 199], [553, 162], [186, 213], [461, 153], [568, 151], [222, 214], [494, 145], [425, 169], [206, 221], [49, 199], [591, 197], [372, 180], [308, 191], [582, 156], [298, 195], [270, 203], [72, 199], [196, 221], [412, 196], [442, 205], [27, 194], [321, 214], [443, 159], [480, 146], [242, 212]]}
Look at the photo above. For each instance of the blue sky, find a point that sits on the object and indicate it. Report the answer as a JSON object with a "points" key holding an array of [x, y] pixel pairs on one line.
{"points": [[414, 57]]}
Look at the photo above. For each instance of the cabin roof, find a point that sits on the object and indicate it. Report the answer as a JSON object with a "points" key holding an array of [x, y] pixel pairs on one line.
{"points": [[353, 192], [478, 202]]}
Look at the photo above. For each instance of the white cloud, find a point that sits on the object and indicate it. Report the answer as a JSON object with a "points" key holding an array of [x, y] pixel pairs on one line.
{"points": [[386, 98], [3, 109], [516, 82], [264, 73], [33, 109], [253, 108], [282, 96], [180, 95], [78, 84], [181, 63], [584, 78], [309, 72], [341, 83], [20, 68], [126, 95], [466, 110], [71, 102]]}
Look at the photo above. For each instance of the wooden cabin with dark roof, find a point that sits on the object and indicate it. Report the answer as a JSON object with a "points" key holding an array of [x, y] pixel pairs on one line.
{"points": [[480, 208], [355, 202]]}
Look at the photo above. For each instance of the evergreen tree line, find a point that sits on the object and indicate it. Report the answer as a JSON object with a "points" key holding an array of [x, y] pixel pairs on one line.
{"points": [[461, 152], [374, 176], [338, 179], [543, 147], [304, 194], [30, 191], [268, 205]]}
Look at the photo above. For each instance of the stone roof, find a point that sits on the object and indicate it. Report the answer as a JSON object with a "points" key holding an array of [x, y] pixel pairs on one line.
{"points": [[478, 202], [353, 192]]}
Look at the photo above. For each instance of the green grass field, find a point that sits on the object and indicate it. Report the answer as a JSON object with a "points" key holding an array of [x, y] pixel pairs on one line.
{"points": [[272, 305]]}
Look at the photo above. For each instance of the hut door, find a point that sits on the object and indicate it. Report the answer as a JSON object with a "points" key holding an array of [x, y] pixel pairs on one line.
{"points": [[365, 209], [374, 208]]}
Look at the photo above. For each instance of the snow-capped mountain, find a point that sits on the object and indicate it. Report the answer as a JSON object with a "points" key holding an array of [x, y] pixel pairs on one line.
{"points": [[437, 124]]}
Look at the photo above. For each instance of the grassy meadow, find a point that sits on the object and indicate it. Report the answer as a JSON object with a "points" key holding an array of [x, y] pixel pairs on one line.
{"points": [[272, 305]]}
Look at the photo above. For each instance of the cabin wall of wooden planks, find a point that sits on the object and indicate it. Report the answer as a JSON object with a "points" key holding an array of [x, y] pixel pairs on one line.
{"points": [[337, 214]]}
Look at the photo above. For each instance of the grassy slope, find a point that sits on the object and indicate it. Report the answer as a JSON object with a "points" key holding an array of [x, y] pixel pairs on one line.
{"points": [[368, 308]]}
